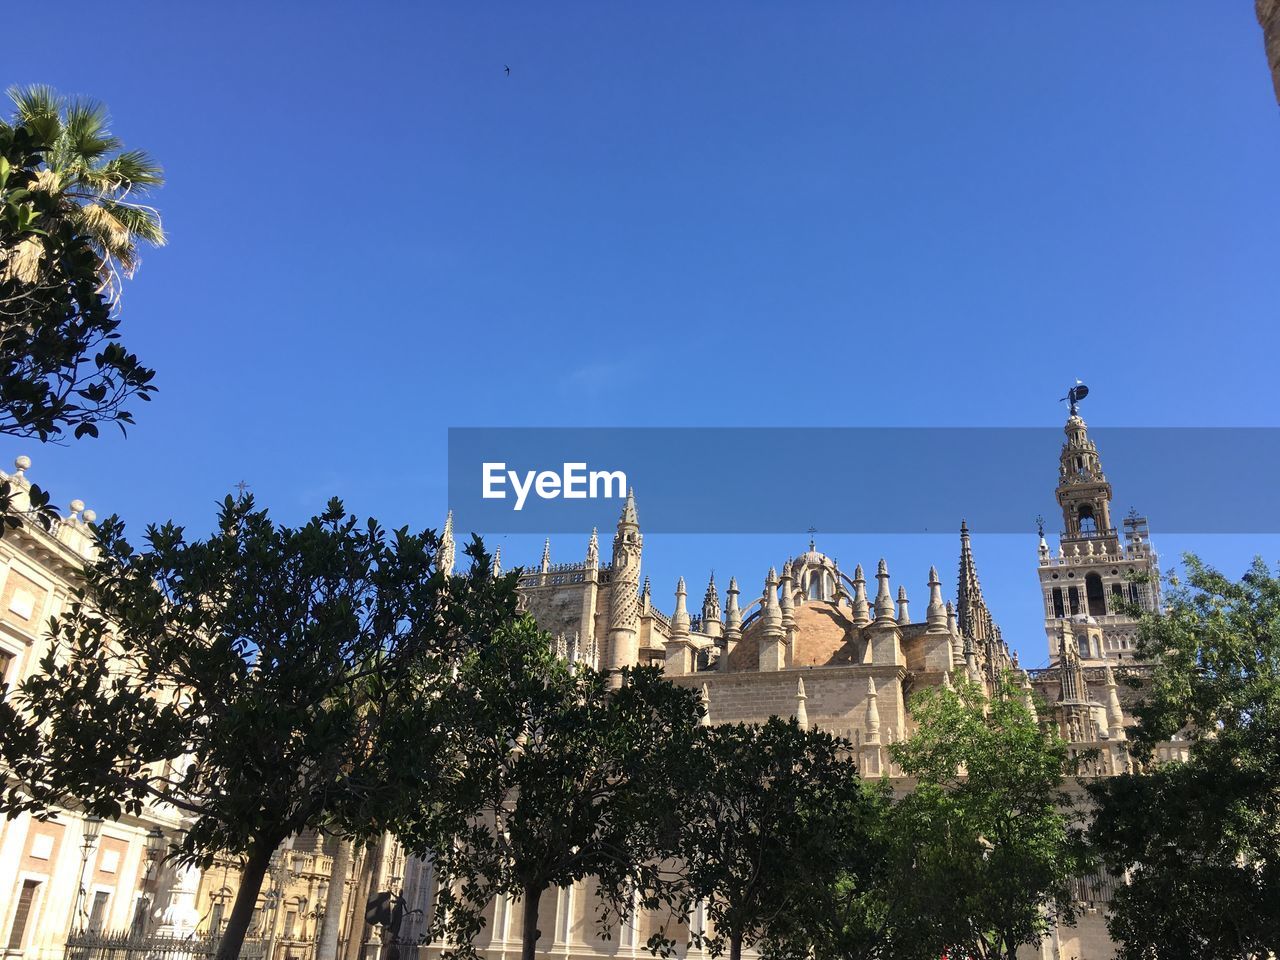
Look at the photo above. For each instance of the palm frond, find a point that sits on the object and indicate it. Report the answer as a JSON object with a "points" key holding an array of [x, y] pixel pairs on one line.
{"points": [[37, 107], [84, 127], [142, 222]]}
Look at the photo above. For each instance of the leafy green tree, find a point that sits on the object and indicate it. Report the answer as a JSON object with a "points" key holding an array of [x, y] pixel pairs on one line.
{"points": [[1199, 841], [558, 778], [766, 812], [263, 681], [864, 907], [71, 222], [987, 828]]}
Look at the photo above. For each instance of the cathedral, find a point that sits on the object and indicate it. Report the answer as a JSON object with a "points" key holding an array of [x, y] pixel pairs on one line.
{"points": [[840, 653], [837, 650]]}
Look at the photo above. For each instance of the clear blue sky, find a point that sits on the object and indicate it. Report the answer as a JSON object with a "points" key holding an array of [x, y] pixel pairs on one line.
{"points": [[671, 213]]}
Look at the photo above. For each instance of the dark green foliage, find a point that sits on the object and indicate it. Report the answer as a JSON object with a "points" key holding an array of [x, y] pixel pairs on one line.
{"points": [[62, 366], [991, 851], [263, 681], [1200, 841], [774, 822], [557, 778]]}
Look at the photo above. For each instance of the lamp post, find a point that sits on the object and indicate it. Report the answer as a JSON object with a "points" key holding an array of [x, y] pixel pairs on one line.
{"points": [[91, 830], [152, 853]]}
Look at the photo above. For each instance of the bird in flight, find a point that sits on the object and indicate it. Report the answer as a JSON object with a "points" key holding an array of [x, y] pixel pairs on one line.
{"points": [[507, 69]]}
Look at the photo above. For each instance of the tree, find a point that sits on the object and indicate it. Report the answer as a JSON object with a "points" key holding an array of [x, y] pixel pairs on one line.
{"points": [[767, 812], [264, 681], [1199, 841], [558, 778], [70, 226], [991, 845]]}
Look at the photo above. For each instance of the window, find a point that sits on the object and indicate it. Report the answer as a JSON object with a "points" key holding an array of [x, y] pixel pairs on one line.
{"points": [[1094, 593], [1073, 600], [22, 913], [1087, 523], [98, 912], [290, 921], [1059, 610], [6, 661]]}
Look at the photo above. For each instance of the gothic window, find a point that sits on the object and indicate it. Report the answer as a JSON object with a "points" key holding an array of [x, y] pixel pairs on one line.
{"points": [[815, 585], [1094, 593], [1059, 610]]}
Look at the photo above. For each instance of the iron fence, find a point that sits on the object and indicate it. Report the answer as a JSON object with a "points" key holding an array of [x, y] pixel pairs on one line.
{"points": [[126, 946]]}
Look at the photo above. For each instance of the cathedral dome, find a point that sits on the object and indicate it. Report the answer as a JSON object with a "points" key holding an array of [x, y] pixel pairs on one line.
{"points": [[824, 636]]}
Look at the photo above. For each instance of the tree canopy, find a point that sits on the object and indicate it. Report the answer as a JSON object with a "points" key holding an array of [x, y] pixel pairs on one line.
{"points": [[71, 222], [1199, 841], [557, 778], [772, 818], [988, 828], [263, 681]]}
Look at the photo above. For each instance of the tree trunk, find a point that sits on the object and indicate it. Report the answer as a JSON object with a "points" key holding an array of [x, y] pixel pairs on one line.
{"points": [[529, 931], [735, 946], [327, 942], [251, 876]]}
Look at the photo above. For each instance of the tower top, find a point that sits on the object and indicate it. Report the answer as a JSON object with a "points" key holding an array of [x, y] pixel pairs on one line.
{"points": [[1074, 395]]}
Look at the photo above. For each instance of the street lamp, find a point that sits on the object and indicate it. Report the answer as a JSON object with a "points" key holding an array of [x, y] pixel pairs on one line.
{"points": [[152, 853], [90, 831]]}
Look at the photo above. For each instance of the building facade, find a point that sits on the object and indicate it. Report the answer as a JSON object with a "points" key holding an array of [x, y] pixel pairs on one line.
{"points": [[68, 873], [835, 649]]}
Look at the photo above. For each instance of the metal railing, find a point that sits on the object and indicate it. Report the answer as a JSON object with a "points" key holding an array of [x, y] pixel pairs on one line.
{"points": [[126, 946]]}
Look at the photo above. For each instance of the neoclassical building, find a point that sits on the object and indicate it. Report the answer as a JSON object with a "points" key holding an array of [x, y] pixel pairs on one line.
{"points": [[69, 873]]}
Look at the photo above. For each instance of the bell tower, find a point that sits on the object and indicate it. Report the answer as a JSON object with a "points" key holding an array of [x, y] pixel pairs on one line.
{"points": [[1098, 576]]}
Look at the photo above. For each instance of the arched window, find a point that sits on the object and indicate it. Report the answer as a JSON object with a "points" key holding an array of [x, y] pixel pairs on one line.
{"points": [[1073, 600], [1085, 519], [1059, 609], [815, 585], [1095, 596]]}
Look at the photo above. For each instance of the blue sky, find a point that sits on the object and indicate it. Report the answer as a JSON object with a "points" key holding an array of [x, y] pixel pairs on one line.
{"points": [[674, 214]]}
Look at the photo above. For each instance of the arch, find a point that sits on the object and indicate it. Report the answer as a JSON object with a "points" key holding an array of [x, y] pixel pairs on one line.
{"points": [[1094, 596], [1086, 522]]}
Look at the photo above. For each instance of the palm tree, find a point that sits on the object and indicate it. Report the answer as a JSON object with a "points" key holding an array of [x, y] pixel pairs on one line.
{"points": [[97, 182], [1269, 16]]}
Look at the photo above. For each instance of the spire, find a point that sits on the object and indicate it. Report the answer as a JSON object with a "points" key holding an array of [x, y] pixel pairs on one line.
{"points": [[884, 599], [1028, 697], [733, 616], [861, 613], [904, 615], [646, 596], [546, 555], [680, 619], [448, 551], [772, 655], [732, 622], [1115, 715], [772, 613], [711, 624], [802, 715], [704, 698], [786, 604], [974, 619], [873, 712], [496, 568], [593, 550], [629, 517], [936, 616]]}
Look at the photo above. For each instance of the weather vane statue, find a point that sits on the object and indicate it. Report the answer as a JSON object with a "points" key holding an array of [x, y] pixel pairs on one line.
{"points": [[1075, 395]]}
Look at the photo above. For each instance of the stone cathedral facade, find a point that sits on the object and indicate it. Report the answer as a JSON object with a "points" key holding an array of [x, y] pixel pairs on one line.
{"points": [[843, 652], [838, 650]]}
